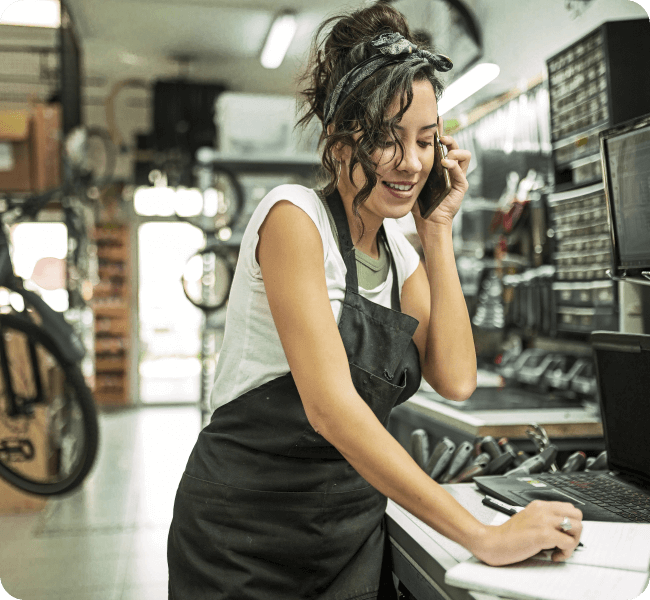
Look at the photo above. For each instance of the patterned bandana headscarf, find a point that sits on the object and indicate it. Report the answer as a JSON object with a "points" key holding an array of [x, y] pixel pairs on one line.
{"points": [[393, 48]]}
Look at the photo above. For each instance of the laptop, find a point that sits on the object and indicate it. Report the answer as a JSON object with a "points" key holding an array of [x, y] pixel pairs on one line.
{"points": [[622, 493]]}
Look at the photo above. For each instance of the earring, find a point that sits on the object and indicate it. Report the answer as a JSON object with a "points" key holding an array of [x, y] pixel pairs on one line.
{"points": [[338, 173]]}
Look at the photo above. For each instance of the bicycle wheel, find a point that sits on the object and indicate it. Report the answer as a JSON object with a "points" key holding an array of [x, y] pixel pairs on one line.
{"points": [[207, 276], [49, 433]]}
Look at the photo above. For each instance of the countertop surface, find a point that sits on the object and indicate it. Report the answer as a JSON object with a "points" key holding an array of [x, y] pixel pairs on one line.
{"points": [[508, 412], [433, 553]]}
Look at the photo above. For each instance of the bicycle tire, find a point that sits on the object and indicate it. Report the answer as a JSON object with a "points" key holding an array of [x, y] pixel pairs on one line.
{"points": [[236, 200], [227, 258], [76, 398], [238, 196]]}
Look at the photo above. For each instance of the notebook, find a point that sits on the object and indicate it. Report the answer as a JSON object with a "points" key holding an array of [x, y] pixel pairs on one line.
{"points": [[613, 565], [621, 494]]}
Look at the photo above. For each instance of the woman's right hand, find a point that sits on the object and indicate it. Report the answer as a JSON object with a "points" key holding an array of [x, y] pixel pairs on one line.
{"points": [[530, 531]]}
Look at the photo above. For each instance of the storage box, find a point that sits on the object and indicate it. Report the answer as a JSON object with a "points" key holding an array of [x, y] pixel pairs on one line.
{"points": [[37, 428], [30, 148]]}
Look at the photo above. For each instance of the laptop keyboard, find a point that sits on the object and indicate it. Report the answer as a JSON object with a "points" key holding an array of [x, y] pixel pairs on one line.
{"points": [[604, 491]]}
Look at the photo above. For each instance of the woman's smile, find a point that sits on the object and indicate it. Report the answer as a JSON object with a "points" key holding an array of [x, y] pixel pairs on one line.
{"points": [[399, 187]]}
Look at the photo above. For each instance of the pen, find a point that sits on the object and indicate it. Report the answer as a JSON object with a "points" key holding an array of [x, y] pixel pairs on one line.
{"points": [[506, 509], [502, 507]]}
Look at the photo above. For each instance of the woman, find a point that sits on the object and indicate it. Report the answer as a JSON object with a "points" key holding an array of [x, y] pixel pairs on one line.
{"points": [[331, 322]]}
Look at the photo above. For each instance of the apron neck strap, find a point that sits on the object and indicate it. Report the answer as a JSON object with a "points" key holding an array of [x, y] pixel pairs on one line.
{"points": [[394, 292], [337, 209]]}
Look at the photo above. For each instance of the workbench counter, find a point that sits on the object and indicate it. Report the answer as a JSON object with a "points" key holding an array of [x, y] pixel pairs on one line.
{"points": [[500, 412]]}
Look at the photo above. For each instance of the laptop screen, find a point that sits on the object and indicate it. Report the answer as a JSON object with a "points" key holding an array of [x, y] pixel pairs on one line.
{"points": [[623, 373]]}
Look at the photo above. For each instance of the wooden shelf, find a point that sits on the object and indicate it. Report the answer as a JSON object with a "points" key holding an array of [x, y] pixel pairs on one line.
{"points": [[111, 325], [112, 398], [111, 364], [112, 253], [112, 315], [112, 271], [120, 309]]}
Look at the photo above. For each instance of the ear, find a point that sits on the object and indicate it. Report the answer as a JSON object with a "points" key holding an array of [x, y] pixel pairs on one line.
{"points": [[339, 150], [343, 153]]}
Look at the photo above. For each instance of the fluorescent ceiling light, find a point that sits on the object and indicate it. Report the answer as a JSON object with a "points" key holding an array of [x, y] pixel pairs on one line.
{"points": [[468, 84], [34, 13], [278, 40]]}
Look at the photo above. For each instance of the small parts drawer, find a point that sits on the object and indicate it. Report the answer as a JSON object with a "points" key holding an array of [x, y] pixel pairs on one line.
{"points": [[586, 319], [588, 293]]}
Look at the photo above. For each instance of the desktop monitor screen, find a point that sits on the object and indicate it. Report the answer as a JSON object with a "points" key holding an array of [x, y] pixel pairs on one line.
{"points": [[625, 154]]}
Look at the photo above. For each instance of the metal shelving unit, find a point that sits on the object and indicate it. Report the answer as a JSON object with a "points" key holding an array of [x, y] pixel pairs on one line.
{"points": [[595, 83]]}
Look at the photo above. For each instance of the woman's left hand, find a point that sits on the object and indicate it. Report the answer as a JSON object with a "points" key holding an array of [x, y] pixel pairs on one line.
{"points": [[457, 162]]}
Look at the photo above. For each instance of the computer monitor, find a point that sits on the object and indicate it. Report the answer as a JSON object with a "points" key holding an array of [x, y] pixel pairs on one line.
{"points": [[625, 156]]}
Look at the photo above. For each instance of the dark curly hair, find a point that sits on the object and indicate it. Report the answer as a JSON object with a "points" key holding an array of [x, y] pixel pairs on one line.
{"points": [[340, 43]]}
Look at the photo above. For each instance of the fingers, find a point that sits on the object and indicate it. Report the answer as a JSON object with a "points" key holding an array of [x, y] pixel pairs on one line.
{"points": [[451, 164], [537, 528], [462, 157], [455, 153], [564, 541], [574, 533], [459, 155], [449, 141], [570, 511], [456, 174], [565, 545], [561, 509], [550, 515], [557, 511]]}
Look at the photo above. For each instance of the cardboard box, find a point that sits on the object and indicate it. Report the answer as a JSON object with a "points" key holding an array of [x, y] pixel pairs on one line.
{"points": [[15, 162], [37, 428], [30, 148]]}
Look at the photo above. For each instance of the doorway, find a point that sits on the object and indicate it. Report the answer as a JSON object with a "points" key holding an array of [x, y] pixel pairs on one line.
{"points": [[169, 364]]}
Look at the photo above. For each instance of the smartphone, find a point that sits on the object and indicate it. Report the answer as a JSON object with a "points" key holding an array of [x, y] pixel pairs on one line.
{"points": [[438, 184]]}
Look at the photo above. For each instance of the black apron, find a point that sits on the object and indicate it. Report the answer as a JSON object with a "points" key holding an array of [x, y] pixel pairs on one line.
{"points": [[267, 509]]}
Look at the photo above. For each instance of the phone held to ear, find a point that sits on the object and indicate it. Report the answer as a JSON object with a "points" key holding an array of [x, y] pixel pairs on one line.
{"points": [[438, 184]]}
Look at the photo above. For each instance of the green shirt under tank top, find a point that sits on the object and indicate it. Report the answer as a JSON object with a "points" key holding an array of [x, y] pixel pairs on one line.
{"points": [[370, 272]]}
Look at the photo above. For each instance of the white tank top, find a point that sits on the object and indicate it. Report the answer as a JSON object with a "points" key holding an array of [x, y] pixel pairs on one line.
{"points": [[251, 353]]}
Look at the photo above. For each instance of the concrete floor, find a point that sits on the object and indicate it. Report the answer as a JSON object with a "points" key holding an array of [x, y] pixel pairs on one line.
{"points": [[106, 541]]}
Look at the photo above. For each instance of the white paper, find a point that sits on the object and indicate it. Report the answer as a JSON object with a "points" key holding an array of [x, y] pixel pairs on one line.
{"points": [[612, 565], [540, 580], [612, 545]]}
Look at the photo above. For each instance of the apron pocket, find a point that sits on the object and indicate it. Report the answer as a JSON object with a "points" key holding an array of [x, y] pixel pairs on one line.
{"points": [[379, 393], [271, 545]]}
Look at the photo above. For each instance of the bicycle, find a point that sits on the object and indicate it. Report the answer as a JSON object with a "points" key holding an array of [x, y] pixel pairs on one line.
{"points": [[209, 273], [49, 431]]}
